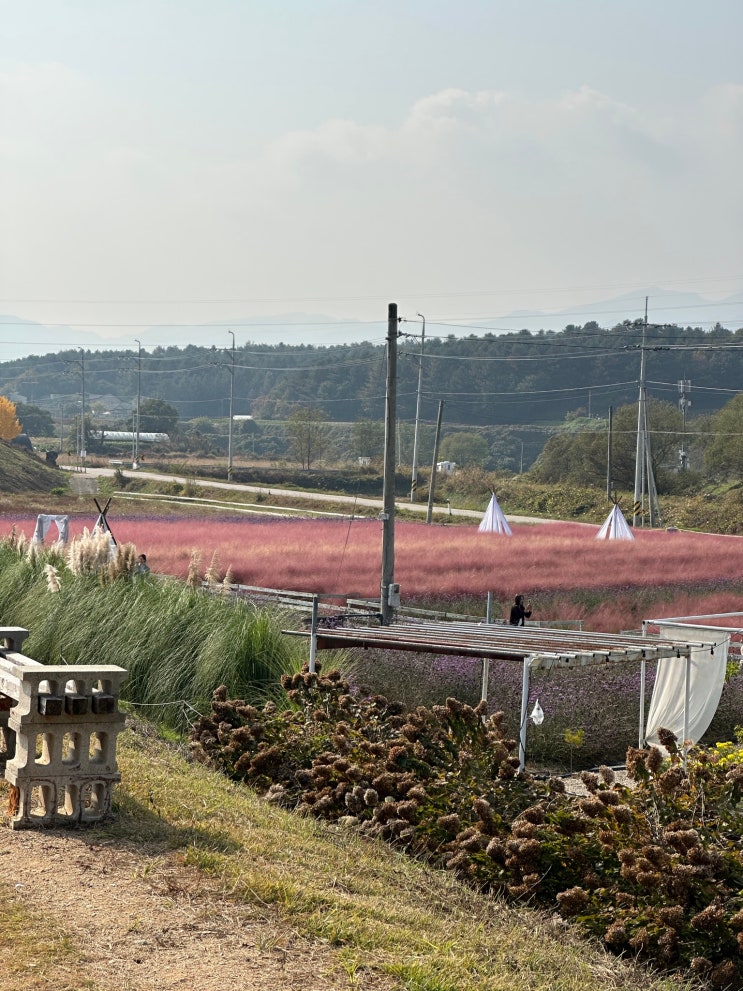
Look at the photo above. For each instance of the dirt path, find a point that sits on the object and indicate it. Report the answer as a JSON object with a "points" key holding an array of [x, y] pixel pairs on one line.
{"points": [[139, 927]]}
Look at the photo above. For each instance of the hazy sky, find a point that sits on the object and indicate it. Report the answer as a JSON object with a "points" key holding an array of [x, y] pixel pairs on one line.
{"points": [[194, 162]]}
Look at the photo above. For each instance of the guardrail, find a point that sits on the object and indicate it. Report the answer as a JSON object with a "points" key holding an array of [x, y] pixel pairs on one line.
{"points": [[353, 608], [58, 726]]}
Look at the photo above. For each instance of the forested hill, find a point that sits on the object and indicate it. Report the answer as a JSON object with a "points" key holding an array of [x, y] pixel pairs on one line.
{"points": [[508, 378]]}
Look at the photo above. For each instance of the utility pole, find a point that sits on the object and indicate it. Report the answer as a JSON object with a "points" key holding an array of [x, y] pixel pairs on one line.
{"points": [[388, 497], [684, 402], [81, 434], [641, 435], [432, 486], [232, 397], [135, 459], [608, 455], [414, 482]]}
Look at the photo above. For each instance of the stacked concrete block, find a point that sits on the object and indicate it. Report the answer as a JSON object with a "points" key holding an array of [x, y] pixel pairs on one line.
{"points": [[60, 726]]}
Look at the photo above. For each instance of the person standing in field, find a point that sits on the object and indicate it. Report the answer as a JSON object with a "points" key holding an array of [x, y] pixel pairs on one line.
{"points": [[519, 612], [141, 568]]}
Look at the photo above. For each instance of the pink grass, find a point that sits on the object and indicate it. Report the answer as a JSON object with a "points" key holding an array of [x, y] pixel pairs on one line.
{"points": [[552, 562]]}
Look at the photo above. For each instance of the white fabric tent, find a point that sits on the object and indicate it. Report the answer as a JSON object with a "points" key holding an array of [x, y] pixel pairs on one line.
{"points": [[615, 526], [494, 521]]}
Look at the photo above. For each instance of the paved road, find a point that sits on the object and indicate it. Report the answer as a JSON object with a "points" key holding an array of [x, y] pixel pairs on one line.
{"points": [[439, 512]]}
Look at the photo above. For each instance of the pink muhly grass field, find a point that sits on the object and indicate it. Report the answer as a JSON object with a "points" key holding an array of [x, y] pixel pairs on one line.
{"points": [[695, 572]]}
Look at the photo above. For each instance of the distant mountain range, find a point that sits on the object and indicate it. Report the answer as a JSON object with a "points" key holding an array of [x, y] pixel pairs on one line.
{"points": [[20, 337]]}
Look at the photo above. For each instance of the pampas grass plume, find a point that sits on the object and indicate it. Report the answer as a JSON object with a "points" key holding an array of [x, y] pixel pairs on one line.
{"points": [[212, 572], [193, 569], [52, 578]]}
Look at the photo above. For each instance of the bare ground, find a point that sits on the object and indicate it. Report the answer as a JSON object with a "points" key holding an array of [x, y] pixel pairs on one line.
{"points": [[136, 926]]}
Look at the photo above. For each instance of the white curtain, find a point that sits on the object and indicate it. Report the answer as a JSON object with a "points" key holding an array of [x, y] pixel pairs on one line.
{"points": [[706, 680]]}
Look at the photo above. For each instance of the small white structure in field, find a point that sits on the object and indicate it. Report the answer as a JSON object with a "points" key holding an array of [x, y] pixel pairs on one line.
{"points": [[446, 466], [615, 526], [494, 521], [43, 524]]}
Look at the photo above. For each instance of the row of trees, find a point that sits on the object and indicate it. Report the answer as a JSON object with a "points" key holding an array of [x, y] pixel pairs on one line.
{"points": [[713, 446], [577, 451], [484, 379]]}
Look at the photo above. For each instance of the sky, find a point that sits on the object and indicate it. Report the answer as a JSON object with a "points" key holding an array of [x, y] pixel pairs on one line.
{"points": [[173, 170]]}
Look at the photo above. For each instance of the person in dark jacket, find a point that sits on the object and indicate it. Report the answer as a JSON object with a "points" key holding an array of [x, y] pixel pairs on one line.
{"points": [[519, 611]]}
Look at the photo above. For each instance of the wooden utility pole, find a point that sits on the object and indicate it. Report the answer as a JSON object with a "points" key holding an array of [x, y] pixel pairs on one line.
{"points": [[388, 494]]}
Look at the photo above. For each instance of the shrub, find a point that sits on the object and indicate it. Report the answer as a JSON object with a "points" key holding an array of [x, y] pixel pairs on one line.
{"points": [[653, 870]]}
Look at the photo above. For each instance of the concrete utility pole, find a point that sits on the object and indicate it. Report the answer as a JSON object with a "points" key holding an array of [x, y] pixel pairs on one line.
{"points": [[414, 482], [641, 436], [608, 455], [83, 431], [388, 495], [135, 459], [232, 397], [684, 402]]}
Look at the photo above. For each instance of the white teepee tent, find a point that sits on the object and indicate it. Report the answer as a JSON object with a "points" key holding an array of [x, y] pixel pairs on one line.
{"points": [[615, 526], [494, 521]]}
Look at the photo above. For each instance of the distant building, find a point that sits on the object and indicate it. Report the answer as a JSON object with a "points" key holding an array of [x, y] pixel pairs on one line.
{"points": [[145, 437], [446, 466]]}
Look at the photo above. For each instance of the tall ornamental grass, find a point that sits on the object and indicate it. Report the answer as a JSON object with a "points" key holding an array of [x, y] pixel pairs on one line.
{"points": [[178, 643]]}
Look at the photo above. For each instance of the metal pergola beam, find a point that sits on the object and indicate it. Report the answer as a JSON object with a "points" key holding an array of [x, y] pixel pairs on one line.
{"points": [[545, 647]]}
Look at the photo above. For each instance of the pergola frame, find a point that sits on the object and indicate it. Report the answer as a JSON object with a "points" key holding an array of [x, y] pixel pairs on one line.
{"points": [[534, 647]]}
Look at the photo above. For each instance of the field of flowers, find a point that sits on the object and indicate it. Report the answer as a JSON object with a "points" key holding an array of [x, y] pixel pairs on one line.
{"points": [[568, 574], [611, 586]]}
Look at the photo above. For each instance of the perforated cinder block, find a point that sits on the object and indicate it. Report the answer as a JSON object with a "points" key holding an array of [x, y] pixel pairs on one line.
{"points": [[65, 725]]}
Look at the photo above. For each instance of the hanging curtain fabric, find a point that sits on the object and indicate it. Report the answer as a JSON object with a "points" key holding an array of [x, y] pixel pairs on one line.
{"points": [[706, 680], [43, 524]]}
